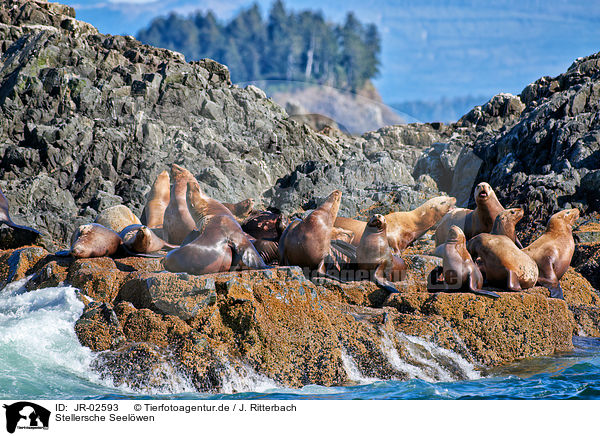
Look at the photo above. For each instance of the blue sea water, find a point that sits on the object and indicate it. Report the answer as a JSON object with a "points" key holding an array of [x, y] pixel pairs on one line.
{"points": [[41, 358]]}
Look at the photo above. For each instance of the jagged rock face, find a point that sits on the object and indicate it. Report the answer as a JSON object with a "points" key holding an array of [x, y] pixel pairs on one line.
{"points": [[89, 120]]}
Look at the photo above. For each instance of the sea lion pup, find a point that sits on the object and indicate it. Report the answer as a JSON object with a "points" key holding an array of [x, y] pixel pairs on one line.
{"points": [[178, 221], [221, 246], [158, 200], [306, 243], [501, 261], [242, 209], [458, 271], [553, 251], [117, 218], [404, 227], [139, 239], [374, 255], [472, 222], [5, 216], [94, 240]]}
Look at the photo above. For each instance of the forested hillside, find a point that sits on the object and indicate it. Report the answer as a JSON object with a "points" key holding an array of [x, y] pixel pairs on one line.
{"points": [[286, 45]]}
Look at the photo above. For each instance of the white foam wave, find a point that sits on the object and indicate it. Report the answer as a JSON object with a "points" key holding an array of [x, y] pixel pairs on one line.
{"points": [[353, 371]]}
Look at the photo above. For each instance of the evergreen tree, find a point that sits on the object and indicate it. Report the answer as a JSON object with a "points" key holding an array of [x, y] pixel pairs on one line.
{"points": [[288, 45]]}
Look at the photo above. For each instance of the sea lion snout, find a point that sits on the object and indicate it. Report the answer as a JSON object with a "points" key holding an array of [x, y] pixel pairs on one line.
{"points": [[377, 220], [483, 190]]}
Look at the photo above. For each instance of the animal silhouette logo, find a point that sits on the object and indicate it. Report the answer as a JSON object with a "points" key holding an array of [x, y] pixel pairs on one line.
{"points": [[26, 415]]}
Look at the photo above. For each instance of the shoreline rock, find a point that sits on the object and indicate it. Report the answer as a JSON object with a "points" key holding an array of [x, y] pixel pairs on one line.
{"points": [[294, 331]]}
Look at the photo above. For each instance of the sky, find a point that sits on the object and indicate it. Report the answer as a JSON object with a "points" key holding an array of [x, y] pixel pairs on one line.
{"points": [[430, 48]]}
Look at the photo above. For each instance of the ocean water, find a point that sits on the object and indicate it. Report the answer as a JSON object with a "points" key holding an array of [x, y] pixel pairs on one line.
{"points": [[41, 358]]}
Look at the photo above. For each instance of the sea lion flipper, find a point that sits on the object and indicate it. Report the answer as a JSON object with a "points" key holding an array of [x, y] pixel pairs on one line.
{"points": [[484, 292], [250, 257], [513, 282], [345, 248], [556, 292], [63, 253], [380, 280]]}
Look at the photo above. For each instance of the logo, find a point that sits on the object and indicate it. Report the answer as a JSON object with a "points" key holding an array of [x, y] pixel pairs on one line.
{"points": [[25, 415]]}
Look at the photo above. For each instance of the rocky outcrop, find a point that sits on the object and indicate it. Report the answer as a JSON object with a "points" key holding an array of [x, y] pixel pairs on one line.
{"points": [[278, 324]]}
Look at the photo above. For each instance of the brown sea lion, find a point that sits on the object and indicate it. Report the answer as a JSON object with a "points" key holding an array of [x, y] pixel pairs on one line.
{"points": [[306, 243], [140, 239], [117, 218], [5, 216], [94, 240], [374, 255], [504, 224], [553, 251], [242, 209], [266, 229], [458, 271], [178, 221], [501, 261], [221, 246], [158, 200], [404, 227], [203, 207], [472, 222]]}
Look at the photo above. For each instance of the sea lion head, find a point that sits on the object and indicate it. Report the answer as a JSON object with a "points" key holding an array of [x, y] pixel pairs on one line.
{"points": [[196, 200], [333, 202], [243, 208], [567, 216], [143, 239], [439, 206], [483, 192], [281, 223], [455, 236], [178, 171], [505, 222], [378, 222]]}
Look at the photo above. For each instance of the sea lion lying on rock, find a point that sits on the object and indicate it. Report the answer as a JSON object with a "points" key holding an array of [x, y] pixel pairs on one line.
{"points": [[500, 260], [404, 227], [141, 240], [553, 251], [458, 271], [93, 240]]}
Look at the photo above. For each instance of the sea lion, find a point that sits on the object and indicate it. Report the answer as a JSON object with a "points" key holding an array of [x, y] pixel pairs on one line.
{"points": [[307, 242], [266, 229], [504, 224], [472, 222], [458, 271], [178, 221], [501, 261], [221, 246], [117, 218], [242, 209], [158, 200], [94, 240], [553, 251], [5, 216], [404, 227], [140, 239], [203, 207], [374, 255]]}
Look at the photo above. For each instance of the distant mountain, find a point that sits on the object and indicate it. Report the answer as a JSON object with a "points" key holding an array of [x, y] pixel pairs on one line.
{"points": [[430, 48], [445, 110]]}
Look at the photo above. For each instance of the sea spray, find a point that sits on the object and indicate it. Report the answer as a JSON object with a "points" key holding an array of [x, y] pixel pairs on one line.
{"points": [[40, 355]]}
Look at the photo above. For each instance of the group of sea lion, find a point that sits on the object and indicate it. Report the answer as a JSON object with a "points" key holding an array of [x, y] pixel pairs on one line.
{"points": [[195, 233], [487, 235]]}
